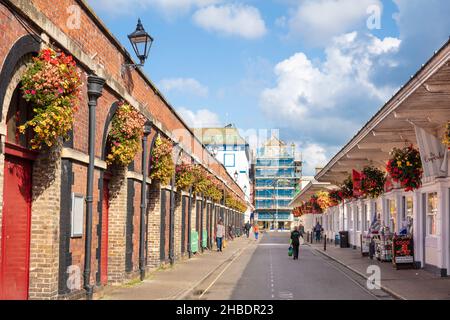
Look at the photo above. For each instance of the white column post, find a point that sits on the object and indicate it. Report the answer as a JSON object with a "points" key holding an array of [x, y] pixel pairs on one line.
{"points": [[443, 227], [418, 228], [399, 206]]}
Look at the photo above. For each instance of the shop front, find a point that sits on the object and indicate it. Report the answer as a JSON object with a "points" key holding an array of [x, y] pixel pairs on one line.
{"points": [[408, 221]]}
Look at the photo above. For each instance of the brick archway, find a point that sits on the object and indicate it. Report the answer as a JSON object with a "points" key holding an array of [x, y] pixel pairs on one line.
{"points": [[44, 181]]}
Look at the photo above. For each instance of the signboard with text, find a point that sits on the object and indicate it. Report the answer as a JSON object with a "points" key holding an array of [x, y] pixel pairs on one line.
{"points": [[403, 251]]}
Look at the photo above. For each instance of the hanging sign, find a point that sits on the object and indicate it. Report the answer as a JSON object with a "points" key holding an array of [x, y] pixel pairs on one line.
{"points": [[433, 154]]}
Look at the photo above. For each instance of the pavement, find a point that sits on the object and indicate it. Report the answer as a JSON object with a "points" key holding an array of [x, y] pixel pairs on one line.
{"points": [[410, 284], [179, 281]]}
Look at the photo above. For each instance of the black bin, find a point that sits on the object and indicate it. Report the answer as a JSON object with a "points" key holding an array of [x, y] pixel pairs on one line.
{"points": [[344, 239]]}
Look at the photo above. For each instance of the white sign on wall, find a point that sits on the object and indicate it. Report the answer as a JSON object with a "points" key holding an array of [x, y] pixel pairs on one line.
{"points": [[77, 216]]}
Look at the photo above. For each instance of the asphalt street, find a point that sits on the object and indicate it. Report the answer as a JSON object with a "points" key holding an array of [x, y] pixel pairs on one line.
{"points": [[264, 271]]}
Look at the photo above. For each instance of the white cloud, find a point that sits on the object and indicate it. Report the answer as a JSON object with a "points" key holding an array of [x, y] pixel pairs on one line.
{"points": [[184, 85], [327, 101], [314, 156], [168, 7], [232, 19], [200, 118], [318, 21]]}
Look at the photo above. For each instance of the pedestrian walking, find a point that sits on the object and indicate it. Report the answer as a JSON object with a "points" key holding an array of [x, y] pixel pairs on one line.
{"points": [[256, 231], [295, 238], [230, 232], [247, 229], [220, 233], [301, 230], [318, 231]]}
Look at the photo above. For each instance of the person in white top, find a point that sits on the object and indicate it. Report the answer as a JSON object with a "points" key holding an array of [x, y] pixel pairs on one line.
{"points": [[220, 233]]}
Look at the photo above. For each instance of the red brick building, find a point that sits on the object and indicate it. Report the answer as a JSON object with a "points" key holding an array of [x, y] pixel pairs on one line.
{"points": [[40, 257]]}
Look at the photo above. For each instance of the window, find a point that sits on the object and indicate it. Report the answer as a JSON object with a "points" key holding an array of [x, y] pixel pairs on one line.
{"points": [[358, 219], [392, 206], [19, 113], [378, 208], [409, 207], [368, 219], [431, 213], [229, 160], [350, 218]]}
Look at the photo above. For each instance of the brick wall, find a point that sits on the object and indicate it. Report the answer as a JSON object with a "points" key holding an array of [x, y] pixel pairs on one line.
{"points": [[44, 242], [153, 226], [93, 40], [117, 225], [178, 234]]}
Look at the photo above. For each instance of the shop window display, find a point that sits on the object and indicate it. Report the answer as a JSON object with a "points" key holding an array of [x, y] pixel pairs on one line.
{"points": [[358, 219], [392, 215], [431, 213]]}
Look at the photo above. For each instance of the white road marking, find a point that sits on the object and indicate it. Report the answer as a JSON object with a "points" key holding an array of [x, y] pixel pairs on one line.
{"points": [[286, 296]]}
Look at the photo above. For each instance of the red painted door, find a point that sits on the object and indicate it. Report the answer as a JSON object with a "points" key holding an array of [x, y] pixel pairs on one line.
{"points": [[15, 255], [104, 235]]}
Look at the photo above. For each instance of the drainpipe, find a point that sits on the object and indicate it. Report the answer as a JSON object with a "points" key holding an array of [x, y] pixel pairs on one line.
{"points": [[95, 87], [201, 221], [189, 223], [172, 213], [147, 131]]}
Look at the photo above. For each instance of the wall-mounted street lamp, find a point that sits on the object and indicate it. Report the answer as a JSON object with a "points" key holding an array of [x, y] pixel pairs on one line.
{"points": [[141, 42], [236, 176]]}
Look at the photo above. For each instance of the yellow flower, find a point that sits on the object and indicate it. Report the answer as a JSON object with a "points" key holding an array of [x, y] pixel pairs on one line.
{"points": [[408, 164], [399, 164]]}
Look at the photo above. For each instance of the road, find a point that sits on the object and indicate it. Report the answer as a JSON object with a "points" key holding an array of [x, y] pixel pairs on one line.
{"points": [[263, 271]]}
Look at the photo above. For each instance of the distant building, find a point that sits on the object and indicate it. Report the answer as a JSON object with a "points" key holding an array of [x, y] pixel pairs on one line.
{"points": [[228, 146], [277, 176]]}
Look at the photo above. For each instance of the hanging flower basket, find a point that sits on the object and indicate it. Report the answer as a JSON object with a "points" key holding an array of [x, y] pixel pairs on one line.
{"points": [[52, 85], [162, 166], [335, 198], [446, 139], [372, 182], [231, 201], [323, 200], [405, 167], [214, 191], [125, 136], [201, 182], [346, 191], [184, 176], [297, 212]]}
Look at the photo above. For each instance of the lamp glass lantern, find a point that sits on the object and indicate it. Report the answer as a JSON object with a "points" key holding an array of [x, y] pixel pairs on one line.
{"points": [[141, 42]]}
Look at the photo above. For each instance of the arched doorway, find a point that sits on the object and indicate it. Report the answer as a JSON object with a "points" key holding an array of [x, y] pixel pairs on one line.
{"points": [[17, 199]]}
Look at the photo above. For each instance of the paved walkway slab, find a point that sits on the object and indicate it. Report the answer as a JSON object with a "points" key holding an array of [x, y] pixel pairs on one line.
{"points": [[176, 282], [408, 284]]}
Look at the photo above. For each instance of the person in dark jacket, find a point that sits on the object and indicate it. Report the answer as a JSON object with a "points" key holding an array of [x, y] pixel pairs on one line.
{"points": [[318, 231], [295, 237]]}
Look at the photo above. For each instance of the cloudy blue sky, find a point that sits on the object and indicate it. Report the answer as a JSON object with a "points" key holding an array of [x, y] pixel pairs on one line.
{"points": [[316, 70]]}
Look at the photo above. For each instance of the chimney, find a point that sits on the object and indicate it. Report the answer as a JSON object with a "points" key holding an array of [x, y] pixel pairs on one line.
{"points": [[318, 170]]}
